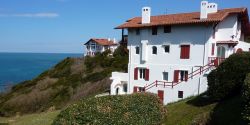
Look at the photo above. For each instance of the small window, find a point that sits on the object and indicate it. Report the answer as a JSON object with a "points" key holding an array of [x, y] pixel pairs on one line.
{"points": [[154, 30], [180, 94], [137, 50], [167, 29], [165, 76], [137, 31], [141, 89], [166, 48], [154, 50]]}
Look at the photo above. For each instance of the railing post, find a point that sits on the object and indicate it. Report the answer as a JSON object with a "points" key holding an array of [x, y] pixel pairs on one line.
{"points": [[164, 84], [156, 83], [172, 84]]}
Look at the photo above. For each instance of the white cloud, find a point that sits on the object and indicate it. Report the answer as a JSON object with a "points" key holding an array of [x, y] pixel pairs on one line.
{"points": [[35, 15]]}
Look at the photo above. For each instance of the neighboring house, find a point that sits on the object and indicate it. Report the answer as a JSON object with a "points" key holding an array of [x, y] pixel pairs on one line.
{"points": [[94, 46], [171, 55]]}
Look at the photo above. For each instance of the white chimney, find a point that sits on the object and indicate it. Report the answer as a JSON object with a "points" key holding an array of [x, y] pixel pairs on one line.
{"points": [[146, 13], [207, 8], [109, 39], [114, 40], [203, 13]]}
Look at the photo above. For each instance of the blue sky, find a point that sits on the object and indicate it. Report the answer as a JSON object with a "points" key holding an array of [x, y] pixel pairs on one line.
{"points": [[62, 26]]}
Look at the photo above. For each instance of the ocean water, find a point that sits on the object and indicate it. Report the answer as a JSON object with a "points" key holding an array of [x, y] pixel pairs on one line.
{"points": [[18, 67]]}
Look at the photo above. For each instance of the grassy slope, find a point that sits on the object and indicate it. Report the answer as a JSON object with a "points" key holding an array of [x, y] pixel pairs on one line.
{"points": [[45, 118], [197, 110]]}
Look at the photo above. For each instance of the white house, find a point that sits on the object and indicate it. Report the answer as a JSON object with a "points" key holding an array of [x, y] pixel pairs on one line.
{"points": [[171, 55], [94, 46]]}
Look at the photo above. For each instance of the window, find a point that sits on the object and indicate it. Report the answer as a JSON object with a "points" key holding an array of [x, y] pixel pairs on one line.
{"points": [[180, 94], [142, 73], [166, 48], [141, 89], [137, 50], [137, 31], [154, 30], [87, 46], [167, 29], [154, 50], [165, 76], [184, 75], [93, 46], [185, 51], [125, 87]]}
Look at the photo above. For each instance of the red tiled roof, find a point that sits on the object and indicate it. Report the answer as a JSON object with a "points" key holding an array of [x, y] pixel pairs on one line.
{"points": [[104, 42], [182, 18]]}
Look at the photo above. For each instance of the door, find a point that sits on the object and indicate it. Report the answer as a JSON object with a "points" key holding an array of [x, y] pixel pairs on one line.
{"points": [[161, 95], [221, 51], [221, 54]]}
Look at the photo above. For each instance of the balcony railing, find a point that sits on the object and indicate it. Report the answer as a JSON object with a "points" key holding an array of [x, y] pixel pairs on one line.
{"points": [[216, 60]]}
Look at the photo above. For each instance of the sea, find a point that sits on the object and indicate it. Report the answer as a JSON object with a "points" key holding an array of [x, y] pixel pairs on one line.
{"points": [[18, 67]]}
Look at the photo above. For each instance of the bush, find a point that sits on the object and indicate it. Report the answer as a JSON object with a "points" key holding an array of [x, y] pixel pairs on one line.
{"points": [[228, 78], [142, 109], [246, 98]]}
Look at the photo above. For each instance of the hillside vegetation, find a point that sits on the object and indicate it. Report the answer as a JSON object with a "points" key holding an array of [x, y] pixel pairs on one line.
{"points": [[68, 81], [134, 109]]}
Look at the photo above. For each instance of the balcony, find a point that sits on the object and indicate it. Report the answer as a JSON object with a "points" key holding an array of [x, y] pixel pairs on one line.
{"points": [[216, 61]]}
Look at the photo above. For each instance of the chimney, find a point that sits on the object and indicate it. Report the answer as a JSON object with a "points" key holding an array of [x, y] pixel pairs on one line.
{"points": [[109, 39], [114, 40], [207, 8], [146, 13], [203, 13]]}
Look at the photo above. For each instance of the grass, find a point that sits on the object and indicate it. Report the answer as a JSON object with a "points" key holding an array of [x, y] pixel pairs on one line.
{"points": [[184, 113], [201, 111], [45, 118]]}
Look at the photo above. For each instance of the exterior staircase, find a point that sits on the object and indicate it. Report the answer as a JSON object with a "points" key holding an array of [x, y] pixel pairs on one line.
{"points": [[213, 62]]}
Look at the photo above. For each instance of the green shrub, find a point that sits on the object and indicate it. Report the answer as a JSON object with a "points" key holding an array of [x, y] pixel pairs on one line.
{"points": [[228, 78], [246, 98], [135, 109]]}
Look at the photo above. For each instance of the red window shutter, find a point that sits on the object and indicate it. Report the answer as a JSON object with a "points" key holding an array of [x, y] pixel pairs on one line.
{"points": [[212, 49], [186, 75], [176, 75], [135, 73], [135, 89], [147, 75], [185, 51], [182, 52]]}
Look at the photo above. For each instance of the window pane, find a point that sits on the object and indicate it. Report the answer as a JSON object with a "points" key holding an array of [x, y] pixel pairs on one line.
{"points": [[180, 94], [165, 76], [154, 50], [137, 31], [144, 73], [137, 49], [154, 30], [167, 29], [166, 49]]}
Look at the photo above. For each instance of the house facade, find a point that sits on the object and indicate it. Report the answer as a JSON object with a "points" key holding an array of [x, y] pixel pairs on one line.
{"points": [[171, 55], [94, 46]]}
